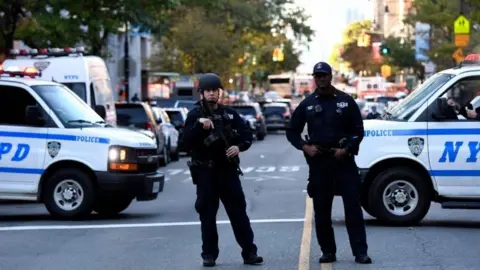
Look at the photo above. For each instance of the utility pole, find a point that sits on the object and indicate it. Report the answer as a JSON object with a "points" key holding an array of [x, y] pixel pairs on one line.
{"points": [[126, 65]]}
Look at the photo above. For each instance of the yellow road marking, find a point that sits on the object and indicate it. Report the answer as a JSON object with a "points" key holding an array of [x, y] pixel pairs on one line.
{"points": [[304, 258]]}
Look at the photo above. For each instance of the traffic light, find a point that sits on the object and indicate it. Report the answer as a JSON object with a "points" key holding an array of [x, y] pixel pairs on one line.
{"points": [[277, 55], [384, 50]]}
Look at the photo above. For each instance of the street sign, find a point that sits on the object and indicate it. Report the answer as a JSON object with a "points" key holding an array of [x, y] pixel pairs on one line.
{"points": [[461, 25], [458, 55], [462, 40]]}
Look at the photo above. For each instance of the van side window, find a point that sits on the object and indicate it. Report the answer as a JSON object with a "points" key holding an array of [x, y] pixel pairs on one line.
{"points": [[13, 105], [92, 96], [460, 95]]}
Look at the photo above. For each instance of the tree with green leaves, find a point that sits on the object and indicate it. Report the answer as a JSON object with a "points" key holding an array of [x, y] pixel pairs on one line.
{"points": [[401, 56], [231, 37], [65, 22], [440, 15]]}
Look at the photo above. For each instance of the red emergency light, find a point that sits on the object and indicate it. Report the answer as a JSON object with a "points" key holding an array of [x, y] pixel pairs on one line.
{"points": [[20, 72], [473, 57]]}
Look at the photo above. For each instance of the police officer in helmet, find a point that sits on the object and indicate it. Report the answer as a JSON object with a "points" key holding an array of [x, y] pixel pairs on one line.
{"points": [[335, 130], [215, 169]]}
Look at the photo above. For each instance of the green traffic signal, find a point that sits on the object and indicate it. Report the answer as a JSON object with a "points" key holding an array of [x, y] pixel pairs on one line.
{"points": [[384, 50]]}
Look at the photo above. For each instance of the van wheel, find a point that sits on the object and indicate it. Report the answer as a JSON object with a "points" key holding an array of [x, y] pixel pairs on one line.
{"points": [[399, 196], [112, 205], [69, 194]]}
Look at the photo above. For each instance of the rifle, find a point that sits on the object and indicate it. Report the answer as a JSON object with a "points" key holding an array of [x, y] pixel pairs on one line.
{"points": [[218, 133]]}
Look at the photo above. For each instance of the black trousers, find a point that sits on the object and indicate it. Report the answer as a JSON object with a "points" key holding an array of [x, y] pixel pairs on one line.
{"points": [[328, 175], [214, 185]]}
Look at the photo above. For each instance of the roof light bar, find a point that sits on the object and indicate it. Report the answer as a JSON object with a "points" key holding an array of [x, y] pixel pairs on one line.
{"points": [[47, 51], [14, 71]]}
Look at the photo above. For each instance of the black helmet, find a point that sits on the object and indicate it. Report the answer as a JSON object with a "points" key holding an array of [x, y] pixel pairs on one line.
{"points": [[209, 81]]}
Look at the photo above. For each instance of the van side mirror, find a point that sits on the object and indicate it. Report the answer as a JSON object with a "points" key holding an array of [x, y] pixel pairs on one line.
{"points": [[100, 110], [441, 109], [34, 116]]}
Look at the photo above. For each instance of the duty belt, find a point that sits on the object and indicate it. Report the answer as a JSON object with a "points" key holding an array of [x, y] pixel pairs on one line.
{"points": [[206, 163]]}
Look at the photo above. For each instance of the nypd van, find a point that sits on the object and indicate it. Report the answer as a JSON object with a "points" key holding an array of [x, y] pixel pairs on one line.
{"points": [[55, 149], [86, 75], [426, 149]]}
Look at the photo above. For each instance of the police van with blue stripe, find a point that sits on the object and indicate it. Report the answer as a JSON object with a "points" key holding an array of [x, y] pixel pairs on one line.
{"points": [[56, 149], [426, 149]]}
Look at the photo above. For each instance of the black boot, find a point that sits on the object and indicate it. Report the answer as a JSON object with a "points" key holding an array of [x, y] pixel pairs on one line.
{"points": [[328, 258], [253, 259], [208, 262], [363, 259]]}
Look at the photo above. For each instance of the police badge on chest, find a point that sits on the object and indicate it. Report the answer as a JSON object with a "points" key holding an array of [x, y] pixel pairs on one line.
{"points": [[341, 106]]}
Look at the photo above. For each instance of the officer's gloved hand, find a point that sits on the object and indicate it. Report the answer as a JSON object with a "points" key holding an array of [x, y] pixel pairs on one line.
{"points": [[339, 153], [310, 150], [233, 151], [207, 123]]}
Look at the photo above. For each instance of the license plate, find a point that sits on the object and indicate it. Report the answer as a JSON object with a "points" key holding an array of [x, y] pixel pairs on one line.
{"points": [[274, 118], [156, 187]]}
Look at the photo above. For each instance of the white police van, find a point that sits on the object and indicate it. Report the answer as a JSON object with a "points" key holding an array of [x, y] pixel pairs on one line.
{"points": [[55, 149], [424, 150], [86, 75]]}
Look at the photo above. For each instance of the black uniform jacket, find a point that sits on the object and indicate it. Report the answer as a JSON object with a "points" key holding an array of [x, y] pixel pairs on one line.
{"points": [[329, 119], [195, 134]]}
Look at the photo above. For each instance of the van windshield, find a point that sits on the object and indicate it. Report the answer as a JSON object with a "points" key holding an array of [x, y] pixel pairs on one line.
{"points": [[68, 107], [78, 88], [407, 107]]}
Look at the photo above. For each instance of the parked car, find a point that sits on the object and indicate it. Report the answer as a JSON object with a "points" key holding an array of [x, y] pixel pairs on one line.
{"points": [[169, 131], [252, 114], [286, 101], [139, 116], [178, 116], [277, 116], [189, 104], [163, 102]]}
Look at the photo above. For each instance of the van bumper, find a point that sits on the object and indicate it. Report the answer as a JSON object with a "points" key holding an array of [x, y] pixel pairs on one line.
{"points": [[145, 187]]}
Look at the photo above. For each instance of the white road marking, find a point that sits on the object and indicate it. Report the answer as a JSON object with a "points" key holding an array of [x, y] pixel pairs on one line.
{"points": [[264, 169], [189, 179], [247, 169], [289, 169], [170, 173], [261, 178], [175, 171], [136, 225]]}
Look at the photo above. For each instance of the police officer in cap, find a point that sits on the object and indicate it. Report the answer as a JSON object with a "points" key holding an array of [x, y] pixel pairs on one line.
{"points": [[215, 173], [335, 130]]}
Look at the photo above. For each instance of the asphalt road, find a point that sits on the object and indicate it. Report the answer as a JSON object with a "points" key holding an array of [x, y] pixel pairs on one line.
{"points": [[164, 234]]}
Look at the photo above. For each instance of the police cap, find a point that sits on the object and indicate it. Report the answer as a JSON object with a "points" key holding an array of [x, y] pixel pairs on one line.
{"points": [[209, 81]]}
